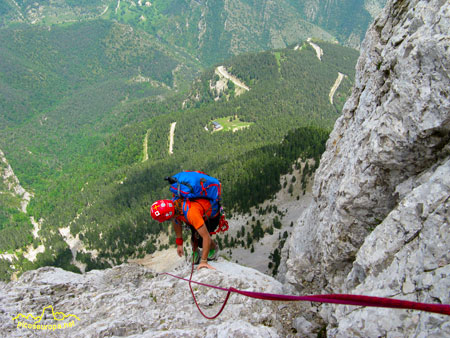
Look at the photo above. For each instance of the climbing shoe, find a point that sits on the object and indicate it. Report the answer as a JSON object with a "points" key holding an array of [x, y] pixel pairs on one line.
{"points": [[212, 256], [196, 256]]}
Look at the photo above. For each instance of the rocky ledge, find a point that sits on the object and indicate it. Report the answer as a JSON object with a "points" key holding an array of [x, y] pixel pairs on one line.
{"points": [[134, 301]]}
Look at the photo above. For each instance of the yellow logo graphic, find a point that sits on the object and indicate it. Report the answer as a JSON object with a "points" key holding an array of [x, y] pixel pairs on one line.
{"points": [[58, 316]]}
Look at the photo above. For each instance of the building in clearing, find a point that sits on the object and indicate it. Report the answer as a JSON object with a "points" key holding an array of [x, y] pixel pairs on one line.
{"points": [[217, 125]]}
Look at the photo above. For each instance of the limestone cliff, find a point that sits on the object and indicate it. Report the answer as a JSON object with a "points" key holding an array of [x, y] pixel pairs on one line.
{"points": [[379, 222]]}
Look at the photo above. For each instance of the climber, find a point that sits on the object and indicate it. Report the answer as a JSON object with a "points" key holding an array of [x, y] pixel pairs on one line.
{"points": [[199, 221]]}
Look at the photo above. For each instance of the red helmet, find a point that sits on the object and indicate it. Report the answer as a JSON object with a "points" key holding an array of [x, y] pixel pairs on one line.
{"points": [[162, 210]]}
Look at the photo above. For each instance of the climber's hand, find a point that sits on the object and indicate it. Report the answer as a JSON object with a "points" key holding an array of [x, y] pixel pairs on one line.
{"points": [[205, 265], [180, 250]]}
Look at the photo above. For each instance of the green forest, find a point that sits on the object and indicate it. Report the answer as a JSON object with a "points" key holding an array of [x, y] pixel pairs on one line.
{"points": [[89, 172]]}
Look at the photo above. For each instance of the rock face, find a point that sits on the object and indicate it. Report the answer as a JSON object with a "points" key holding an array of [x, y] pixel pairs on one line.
{"points": [[131, 300], [379, 222]]}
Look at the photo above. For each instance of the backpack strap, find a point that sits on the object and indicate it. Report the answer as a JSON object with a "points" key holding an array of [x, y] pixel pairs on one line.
{"points": [[186, 206]]}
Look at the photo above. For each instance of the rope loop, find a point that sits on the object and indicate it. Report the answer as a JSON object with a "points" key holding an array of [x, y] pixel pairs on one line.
{"points": [[195, 299]]}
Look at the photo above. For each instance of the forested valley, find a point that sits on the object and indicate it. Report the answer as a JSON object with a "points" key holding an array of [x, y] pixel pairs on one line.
{"points": [[104, 192]]}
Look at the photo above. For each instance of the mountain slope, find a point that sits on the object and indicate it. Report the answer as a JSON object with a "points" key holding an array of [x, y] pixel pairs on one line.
{"points": [[62, 100], [50, 11], [217, 30], [104, 193], [346, 19], [214, 30]]}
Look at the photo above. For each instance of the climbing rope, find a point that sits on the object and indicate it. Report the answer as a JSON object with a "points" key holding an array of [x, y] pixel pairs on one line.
{"points": [[195, 300], [344, 299], [222, 227]]}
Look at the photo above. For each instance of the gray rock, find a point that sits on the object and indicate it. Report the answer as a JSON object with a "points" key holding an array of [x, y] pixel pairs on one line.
{"points": [[130, 300], [378, 224], [304, 328]]}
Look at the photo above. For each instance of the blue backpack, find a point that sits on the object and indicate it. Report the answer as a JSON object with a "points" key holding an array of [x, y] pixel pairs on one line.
{"points": [[190, 185]]}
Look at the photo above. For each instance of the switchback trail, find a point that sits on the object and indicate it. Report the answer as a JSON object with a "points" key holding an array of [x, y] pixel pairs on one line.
{"points": [[222, 71], [172, 131], [335, 86], [319, 51], [146, 146]]}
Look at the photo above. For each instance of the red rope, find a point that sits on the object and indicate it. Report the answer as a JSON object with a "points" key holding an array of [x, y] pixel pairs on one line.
{"points": [[195, 300], [223, 226], [345, 299]]}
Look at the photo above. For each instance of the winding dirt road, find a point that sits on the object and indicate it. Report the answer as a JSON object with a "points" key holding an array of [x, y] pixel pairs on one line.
{"points": [[335, 86], [319, 51], [172, 132], [146, 146], [222, 71]]}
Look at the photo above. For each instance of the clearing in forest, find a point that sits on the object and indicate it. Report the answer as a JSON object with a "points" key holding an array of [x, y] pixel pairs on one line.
{"points": [[229, 123]]}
